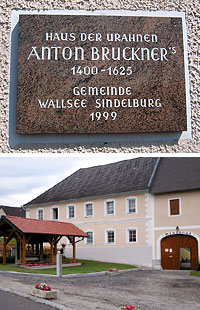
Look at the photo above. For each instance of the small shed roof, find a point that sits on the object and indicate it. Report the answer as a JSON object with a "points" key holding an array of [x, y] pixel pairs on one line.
{"points": [[14, 211], [33, 226]]}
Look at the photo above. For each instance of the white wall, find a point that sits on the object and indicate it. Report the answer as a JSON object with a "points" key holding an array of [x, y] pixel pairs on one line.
{"points": [[125, 255]]}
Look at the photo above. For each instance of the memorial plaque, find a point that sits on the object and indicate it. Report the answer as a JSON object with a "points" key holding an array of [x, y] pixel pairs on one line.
{"points": [[100, 74]]}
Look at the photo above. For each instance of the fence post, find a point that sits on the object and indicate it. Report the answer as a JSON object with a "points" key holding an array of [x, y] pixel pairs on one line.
{"points": [[59, 265]]}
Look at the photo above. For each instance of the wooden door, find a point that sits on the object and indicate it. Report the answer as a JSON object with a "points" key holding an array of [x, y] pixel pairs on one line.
{"points": [[169, 253], [170, 250]]}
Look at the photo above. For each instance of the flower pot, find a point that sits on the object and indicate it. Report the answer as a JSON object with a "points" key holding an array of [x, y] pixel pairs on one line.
{"points": [[44, 294]]}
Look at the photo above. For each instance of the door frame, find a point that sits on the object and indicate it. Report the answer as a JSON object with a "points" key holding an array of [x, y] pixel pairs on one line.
{"points": [[172, 233]]}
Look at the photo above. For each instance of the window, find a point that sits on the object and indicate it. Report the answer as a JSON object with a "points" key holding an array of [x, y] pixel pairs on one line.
{"points": [[131, 235], [71, 212], [89, 209], [28, 213], [89, 239], [40, 214], [110, 207], [54, 213], [174, 206], [110, 236], [131, 205]]}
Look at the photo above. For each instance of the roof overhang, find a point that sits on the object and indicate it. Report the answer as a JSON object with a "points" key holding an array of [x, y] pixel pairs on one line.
{"points": [[87, 198]]}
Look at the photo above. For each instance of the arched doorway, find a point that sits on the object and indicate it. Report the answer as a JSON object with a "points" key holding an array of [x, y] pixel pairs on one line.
{"points": [[179, 252]]}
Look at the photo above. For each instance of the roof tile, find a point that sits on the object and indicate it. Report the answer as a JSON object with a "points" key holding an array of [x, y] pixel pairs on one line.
{"points": [[116, 178]]}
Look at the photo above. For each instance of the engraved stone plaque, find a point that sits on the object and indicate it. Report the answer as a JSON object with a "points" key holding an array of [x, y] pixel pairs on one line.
{"points": [[100, 74]]}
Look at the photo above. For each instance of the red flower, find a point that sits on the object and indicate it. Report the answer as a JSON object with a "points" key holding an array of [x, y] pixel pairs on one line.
{"points": [[37, 285]]}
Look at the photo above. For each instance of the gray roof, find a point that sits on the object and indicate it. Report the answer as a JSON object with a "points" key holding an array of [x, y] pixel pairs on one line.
{"points": [[176, 174], [14, 211], [116, 178]]}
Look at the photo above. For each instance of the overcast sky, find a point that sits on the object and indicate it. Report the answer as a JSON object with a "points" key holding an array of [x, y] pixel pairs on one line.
{"points": [[23, 177]]}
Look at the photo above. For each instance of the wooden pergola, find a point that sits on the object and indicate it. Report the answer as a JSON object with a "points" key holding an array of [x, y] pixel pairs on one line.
{"points": [[36, 232]]}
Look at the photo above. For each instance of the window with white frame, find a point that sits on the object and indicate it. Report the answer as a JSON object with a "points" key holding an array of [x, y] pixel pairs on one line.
{"points": [[71, 212], [131, 235], [40, 214], [131, 205], [89, 209], [28, 213], [90, 238], [110, 207], [110, 236], [54, 213]]}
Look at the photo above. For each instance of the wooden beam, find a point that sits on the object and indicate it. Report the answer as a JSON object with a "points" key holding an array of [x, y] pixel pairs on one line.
{"points": [[4, 250], [24, 250], [1, 224], [10, 236], [18, 235]]}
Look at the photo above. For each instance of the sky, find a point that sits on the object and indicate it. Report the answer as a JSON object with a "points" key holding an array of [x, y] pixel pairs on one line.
{"points": [[24, 177]]}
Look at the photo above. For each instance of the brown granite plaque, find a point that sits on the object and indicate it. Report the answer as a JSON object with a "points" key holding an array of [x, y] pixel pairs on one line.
{"points": [[100, 74]]}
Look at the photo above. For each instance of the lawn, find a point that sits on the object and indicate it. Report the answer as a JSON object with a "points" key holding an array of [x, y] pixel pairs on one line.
{"points": [[195, 273], [86, 267]]}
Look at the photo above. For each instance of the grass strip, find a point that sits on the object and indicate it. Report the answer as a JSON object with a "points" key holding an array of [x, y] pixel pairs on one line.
{"points": [[87, 266], [195, 273]]}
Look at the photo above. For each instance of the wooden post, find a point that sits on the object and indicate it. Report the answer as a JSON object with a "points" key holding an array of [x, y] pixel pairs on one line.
{"points": [[74, 249], [4, 250], [52, 252], [41, 248], [24, 250], [37, 249]]}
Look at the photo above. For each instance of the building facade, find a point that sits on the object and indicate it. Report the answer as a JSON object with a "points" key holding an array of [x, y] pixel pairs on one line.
{"points": [[128, 216]]}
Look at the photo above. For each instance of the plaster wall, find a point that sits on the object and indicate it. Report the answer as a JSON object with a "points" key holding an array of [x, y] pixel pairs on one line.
{"points": [[191, 8], [100, 222], [189, 209], [98, 207]]}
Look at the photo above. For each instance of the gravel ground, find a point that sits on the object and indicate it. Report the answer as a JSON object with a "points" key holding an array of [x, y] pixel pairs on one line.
{"points": [[147, 289]]}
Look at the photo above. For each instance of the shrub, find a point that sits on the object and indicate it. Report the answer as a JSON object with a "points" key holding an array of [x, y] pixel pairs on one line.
{"points": [[9, 259], [198, 267]]}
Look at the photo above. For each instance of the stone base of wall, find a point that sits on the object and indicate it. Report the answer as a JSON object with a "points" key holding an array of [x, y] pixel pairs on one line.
{"points": [[156, 263], [140, 256]]}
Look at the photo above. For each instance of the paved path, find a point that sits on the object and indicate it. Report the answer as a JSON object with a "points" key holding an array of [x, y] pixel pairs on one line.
{"points": [[149, 290], [9, 301]]}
